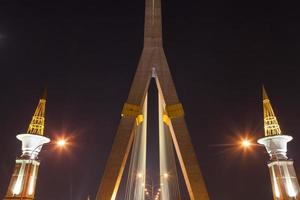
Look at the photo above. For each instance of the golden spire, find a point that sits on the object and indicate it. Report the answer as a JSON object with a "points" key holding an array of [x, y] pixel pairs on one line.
{"points": [[270, 121], [37, 124]]}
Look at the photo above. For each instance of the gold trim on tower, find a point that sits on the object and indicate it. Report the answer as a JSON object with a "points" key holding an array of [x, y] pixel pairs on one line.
{"points": [[271, 124], [37, 124]]}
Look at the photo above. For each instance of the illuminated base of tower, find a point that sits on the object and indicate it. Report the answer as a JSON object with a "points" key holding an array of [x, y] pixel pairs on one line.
{"points": [[23, 181], [284, 180]]}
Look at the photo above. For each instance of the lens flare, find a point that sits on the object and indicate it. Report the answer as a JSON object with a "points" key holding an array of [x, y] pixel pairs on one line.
{"points": [[61, 143], [246, 143]]}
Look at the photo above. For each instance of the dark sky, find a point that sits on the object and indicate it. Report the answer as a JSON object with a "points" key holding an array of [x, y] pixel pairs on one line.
{"points": [[219, 52]]}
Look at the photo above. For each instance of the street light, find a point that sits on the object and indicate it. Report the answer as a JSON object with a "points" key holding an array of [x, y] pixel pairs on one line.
{"points": [[246, 143], [151, 191], [152, 194], [61, 143]]}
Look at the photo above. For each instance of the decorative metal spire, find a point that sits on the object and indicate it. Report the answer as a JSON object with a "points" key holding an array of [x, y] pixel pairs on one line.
{"points": [[271, 124], [37, 124]]}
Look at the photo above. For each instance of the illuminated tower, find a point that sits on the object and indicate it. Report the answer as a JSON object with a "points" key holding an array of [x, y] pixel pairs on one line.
{"points": [[283, 177], [131, 136], [23, 181]]}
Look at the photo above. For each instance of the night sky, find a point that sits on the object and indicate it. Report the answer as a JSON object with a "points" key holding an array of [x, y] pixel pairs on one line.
{"points": [[220, 53]]}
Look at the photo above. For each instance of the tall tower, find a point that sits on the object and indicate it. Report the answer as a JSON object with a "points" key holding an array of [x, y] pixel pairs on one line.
{"points": [[130, 137], [285, 185], [23, 181]]}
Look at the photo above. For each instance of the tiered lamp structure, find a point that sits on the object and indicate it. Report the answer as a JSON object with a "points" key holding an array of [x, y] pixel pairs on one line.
{"points": [[283, 177], [23, 181]]}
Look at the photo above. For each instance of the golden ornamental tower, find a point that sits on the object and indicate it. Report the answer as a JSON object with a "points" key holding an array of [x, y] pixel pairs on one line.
{"points": [[23, 181], [285, 184]]}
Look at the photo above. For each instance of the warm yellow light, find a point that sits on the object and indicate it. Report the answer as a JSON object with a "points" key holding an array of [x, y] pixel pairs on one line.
{"points": [[246, 143], [139, 175], [61, 143], [166, 175]]}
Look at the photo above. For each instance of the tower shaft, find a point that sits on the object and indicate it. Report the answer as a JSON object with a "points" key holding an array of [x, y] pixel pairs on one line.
{"points": [[23, 181], [284, 181], [153, 24]]}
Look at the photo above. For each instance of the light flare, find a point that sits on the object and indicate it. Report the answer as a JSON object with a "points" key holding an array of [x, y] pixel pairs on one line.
{"points": [[61, 143], [246, 143]]}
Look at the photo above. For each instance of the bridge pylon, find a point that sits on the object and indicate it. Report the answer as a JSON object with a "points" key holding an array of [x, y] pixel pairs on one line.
{"points": [[152, 64]]}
